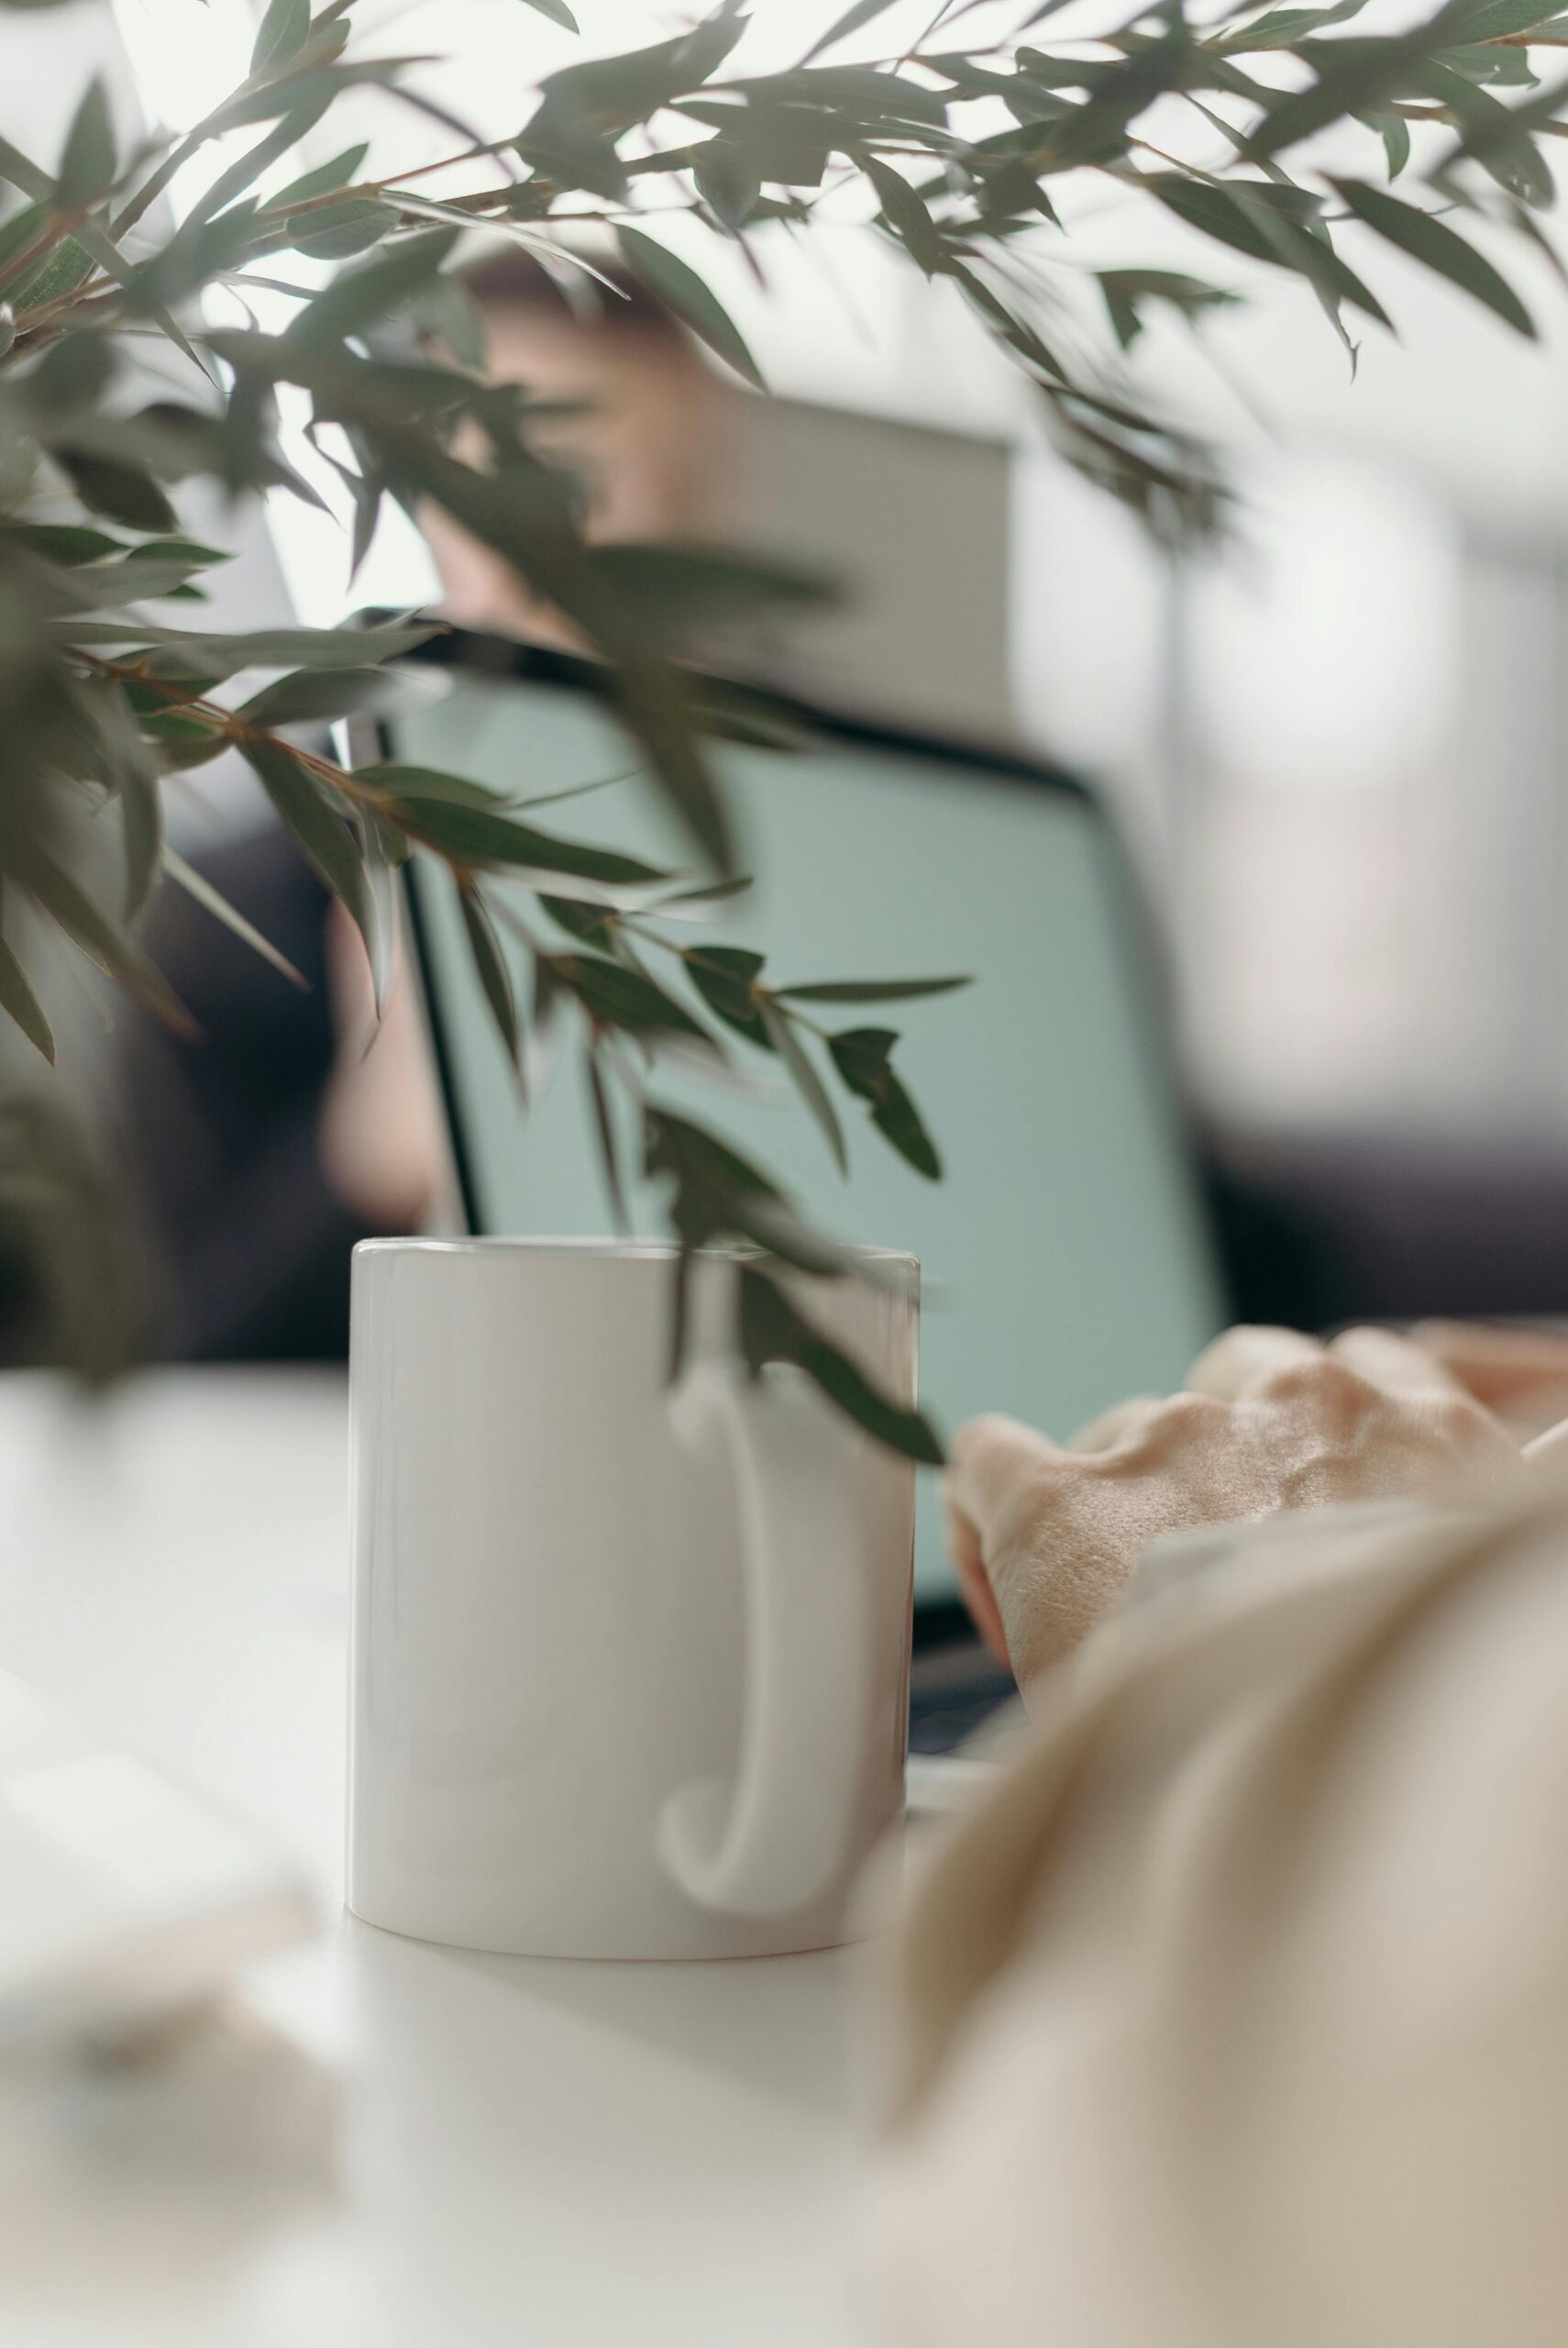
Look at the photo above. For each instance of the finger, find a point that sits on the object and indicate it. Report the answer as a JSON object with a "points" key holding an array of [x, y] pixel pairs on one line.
{"points": [[1236, 1365], [1118, 1424], [1499, 1367], [993, 1464], [974, 1583], [1393, 1363], [1550, 1451]]}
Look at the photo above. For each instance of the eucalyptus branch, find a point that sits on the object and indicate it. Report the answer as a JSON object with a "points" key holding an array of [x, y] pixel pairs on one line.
{"points": [[960, 156]]}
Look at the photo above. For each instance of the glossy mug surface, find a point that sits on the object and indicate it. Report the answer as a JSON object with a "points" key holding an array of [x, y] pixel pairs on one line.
{"points": [[629, 1664]]}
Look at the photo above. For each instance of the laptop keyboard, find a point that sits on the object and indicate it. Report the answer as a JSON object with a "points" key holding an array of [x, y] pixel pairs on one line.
{"points": [[953, 1690]]}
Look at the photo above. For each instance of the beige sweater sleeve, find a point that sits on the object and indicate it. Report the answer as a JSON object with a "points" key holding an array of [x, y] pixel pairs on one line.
{"points": [[1238, 2017]]}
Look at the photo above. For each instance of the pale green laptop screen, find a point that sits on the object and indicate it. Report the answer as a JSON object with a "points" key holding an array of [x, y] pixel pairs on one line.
{"points": [[1066, 1265]]}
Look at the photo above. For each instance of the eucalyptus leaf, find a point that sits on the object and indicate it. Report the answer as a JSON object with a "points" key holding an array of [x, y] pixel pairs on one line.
{"points": [[360, 296], [904, 210], [281, 34], [869, 990], [723, 976], [317, 823], [1440, 246], [494, 977], [20, 1003], [795, 1057], [860, 1055], [201, 891], [426, 783], [323, 181], [117, 492], [117, 953], [340, 230], [675, 281], [614, 996], [87, 165], [773, 1329], [474, 836], [317, 694], [1395, 133], [861, 12]]}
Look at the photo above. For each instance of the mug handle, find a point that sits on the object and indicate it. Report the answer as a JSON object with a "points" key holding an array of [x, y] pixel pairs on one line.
{"points": [[776, 1836]]}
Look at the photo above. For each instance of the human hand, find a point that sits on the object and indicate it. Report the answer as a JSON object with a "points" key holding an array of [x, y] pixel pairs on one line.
{"points": [[1045, 1537], [1519, 1373], [379, 1130]]}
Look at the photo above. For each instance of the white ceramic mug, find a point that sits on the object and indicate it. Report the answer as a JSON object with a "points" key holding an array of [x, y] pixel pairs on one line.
{"points": [[630, 1663]]}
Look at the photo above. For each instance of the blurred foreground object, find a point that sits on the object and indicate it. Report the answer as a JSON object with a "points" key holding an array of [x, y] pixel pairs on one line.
{"points": [[126, 1897], [960, 154], [1238, 2011]]}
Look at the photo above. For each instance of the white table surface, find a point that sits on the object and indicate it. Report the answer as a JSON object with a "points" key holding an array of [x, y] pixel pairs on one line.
{"points": [[529, 2151]]}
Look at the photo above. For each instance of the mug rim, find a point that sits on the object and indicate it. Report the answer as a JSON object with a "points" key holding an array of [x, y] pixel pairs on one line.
{"points": [[606, 1250]]}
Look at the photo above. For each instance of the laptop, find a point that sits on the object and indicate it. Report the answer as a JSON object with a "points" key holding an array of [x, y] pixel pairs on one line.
{"points": [[1066, 1259]]}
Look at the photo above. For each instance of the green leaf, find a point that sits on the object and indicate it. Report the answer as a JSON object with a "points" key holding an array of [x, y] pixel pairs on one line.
{"points": [[605, 1129], [197, 887], [322, 181], [1124, 289], [1395, 133], [324, 693], [360, 296], [73, 372], [861, 12], [475, 836], [21, 1005], [449, 311], [67, 543], [860, 1055], [143, 814], [1481, 20], [23, 172], [127, 769], [792, 1051], [723, 976], [771, 1329], [425, 783], [557, 11], [869, 990], [1249, 218], [904, 211], [317, 824], [247, 169], [728, 181], [614, 996], [22, 230], [675, 586], [87, 165], [119, 957], [117, 492], [678, 284], [283, 33], [1280, 27], [340, 230], [1493, 134], [180, 652], [55, 275], [494, 977], [1433, 241]]}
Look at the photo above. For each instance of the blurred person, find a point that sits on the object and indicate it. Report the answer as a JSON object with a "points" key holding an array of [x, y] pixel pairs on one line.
{"points": [[644, 427], [1238, 2012], [293, 1128]]}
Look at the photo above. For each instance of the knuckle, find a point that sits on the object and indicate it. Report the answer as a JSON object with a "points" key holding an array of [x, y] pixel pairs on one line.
{"points": [[1323, 1383]]}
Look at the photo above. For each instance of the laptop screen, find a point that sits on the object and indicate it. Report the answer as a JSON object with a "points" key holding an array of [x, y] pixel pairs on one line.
{"points": [[1066, 1261]]}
